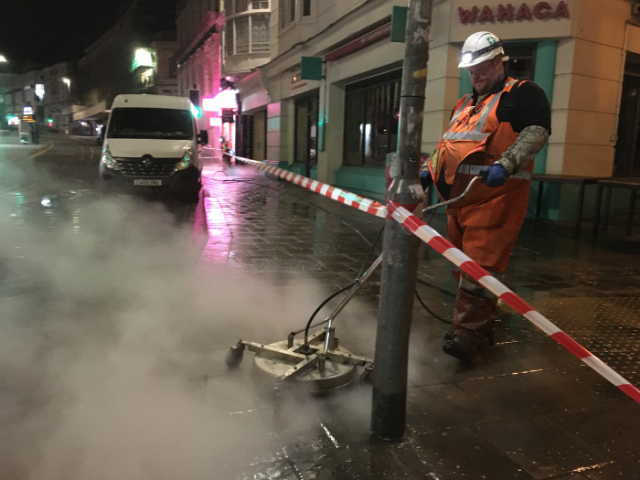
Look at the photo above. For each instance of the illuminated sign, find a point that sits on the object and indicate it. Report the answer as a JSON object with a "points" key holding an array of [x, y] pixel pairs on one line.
{"points": [[143, 58], [215, 122], [228, 115], [40, 91], [27, 111], [508, 13], [225, 99]]}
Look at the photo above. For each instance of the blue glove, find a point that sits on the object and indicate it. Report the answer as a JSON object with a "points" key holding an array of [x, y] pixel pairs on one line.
{"points": [[494, 176], [425, 179]]}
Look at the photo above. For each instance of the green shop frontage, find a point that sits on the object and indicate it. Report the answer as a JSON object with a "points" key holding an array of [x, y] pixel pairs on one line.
{"points": [[339, 126]]}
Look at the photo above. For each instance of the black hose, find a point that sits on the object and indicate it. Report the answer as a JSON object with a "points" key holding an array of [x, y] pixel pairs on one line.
{"points": [[435, 287], [355, 282], [424, 305], [306, 329]]}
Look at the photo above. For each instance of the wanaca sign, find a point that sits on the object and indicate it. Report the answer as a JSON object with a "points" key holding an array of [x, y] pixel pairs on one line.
{"points": [[508, 13]]}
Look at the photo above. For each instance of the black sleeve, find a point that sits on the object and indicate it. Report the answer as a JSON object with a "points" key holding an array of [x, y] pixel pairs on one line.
{"points": [[524, 106]]}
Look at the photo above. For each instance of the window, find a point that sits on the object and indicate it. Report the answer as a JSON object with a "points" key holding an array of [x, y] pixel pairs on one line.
{"points": [[151, 123], [306, 8], [372, 120], [242, 6], [246, 32], [287, 12], [242, 34], [522, 60], [260, 33], [627, 153], [229, 38]]}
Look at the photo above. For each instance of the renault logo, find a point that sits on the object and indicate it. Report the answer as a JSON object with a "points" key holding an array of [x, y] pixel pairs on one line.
{"points": [[146, 161]]}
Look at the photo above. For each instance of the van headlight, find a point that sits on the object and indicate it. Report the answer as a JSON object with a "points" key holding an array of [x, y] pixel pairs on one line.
{"points": [[186, 160], [108, 161]]}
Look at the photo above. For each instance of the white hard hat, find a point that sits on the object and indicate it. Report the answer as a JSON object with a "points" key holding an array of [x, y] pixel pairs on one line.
{"points": [[480, 47]]}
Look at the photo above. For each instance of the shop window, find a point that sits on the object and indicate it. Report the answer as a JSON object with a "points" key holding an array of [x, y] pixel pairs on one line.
{"points": [[522, 60], [372, 114], [260, 4], [242, 6], [260, 33], [306, 8], [228, 6], [627, 156]]}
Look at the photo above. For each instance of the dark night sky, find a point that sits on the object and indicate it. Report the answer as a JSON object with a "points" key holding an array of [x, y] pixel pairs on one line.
{"points": [[50, 31]]}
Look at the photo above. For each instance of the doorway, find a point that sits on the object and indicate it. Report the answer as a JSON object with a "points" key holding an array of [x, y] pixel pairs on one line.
{"points": [[260, 135], [306, 138]]}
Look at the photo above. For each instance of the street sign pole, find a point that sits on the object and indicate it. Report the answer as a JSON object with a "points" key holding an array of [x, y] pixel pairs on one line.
{"points": [[400, 255]]}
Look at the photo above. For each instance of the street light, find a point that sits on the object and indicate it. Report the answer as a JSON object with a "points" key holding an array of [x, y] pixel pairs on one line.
{"points": [[67, 82], [3, 59]]}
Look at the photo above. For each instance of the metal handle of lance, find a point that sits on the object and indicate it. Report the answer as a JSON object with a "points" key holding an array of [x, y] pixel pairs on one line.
{"points": [[457, 199], [329, 320]]}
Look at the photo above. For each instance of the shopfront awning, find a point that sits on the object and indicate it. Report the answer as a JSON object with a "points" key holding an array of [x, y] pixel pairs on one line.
{"points": [[97, 112]]}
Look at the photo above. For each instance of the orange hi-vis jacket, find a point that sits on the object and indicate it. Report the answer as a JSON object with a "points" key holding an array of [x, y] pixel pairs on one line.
{"points": [[486, 223]]}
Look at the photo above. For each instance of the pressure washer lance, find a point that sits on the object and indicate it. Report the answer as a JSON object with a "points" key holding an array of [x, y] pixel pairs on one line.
{"points": [[482, 177]]}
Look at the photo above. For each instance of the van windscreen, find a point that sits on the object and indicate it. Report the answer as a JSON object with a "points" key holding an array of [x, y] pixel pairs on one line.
{"points": [[151, 123]]}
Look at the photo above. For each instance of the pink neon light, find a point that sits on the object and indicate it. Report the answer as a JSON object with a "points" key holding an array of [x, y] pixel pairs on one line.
{"points": [[225, 99]]}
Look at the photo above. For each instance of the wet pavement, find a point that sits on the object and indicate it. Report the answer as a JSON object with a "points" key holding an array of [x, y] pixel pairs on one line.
{"points": [[525, 409]]}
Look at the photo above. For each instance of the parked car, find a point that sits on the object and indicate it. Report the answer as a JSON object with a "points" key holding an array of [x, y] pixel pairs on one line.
{"points": [[151, 145]]}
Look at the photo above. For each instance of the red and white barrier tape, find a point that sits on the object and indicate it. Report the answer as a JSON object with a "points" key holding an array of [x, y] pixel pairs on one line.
{"points": [[458, 258], [337, 194]]}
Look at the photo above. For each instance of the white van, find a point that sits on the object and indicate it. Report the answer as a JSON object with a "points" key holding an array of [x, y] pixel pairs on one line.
{"points": [[151, 145]]}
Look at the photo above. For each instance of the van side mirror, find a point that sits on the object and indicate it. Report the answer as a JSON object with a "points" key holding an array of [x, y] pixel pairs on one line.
{"points": [[203, 137]]}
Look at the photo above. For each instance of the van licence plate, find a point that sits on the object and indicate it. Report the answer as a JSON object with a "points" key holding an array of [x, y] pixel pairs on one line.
{"points": [[147, 183]]}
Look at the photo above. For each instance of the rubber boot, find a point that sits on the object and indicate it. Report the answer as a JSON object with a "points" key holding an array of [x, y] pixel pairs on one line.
{"points": [[473, 323], [452, 333]]}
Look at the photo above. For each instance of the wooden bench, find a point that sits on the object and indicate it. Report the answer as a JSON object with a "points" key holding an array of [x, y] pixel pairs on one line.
{"points": [[610, 184], [582, 182]]}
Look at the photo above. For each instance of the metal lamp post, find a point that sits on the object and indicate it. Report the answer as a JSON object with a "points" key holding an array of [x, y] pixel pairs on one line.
{"points": [[400, 256]]}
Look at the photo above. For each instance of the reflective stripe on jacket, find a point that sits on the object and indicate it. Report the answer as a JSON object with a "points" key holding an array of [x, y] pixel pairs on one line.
{"points": [[475, 137]]}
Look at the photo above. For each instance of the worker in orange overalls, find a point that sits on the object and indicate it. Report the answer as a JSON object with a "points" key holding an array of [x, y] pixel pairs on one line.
{"points": [[496, 131]]}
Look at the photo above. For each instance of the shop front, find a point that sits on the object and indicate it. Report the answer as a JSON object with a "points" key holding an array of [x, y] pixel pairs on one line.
{"points": [[585, 55]]}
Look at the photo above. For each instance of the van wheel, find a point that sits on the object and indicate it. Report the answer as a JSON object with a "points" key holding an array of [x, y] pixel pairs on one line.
{"points": [[192, 196]]}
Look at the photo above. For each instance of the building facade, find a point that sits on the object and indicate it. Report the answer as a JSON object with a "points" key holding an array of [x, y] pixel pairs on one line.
{"points": [[132, 57], [24, 96], [340, 128], [220, 44], [61, 95], [6, 85]]}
